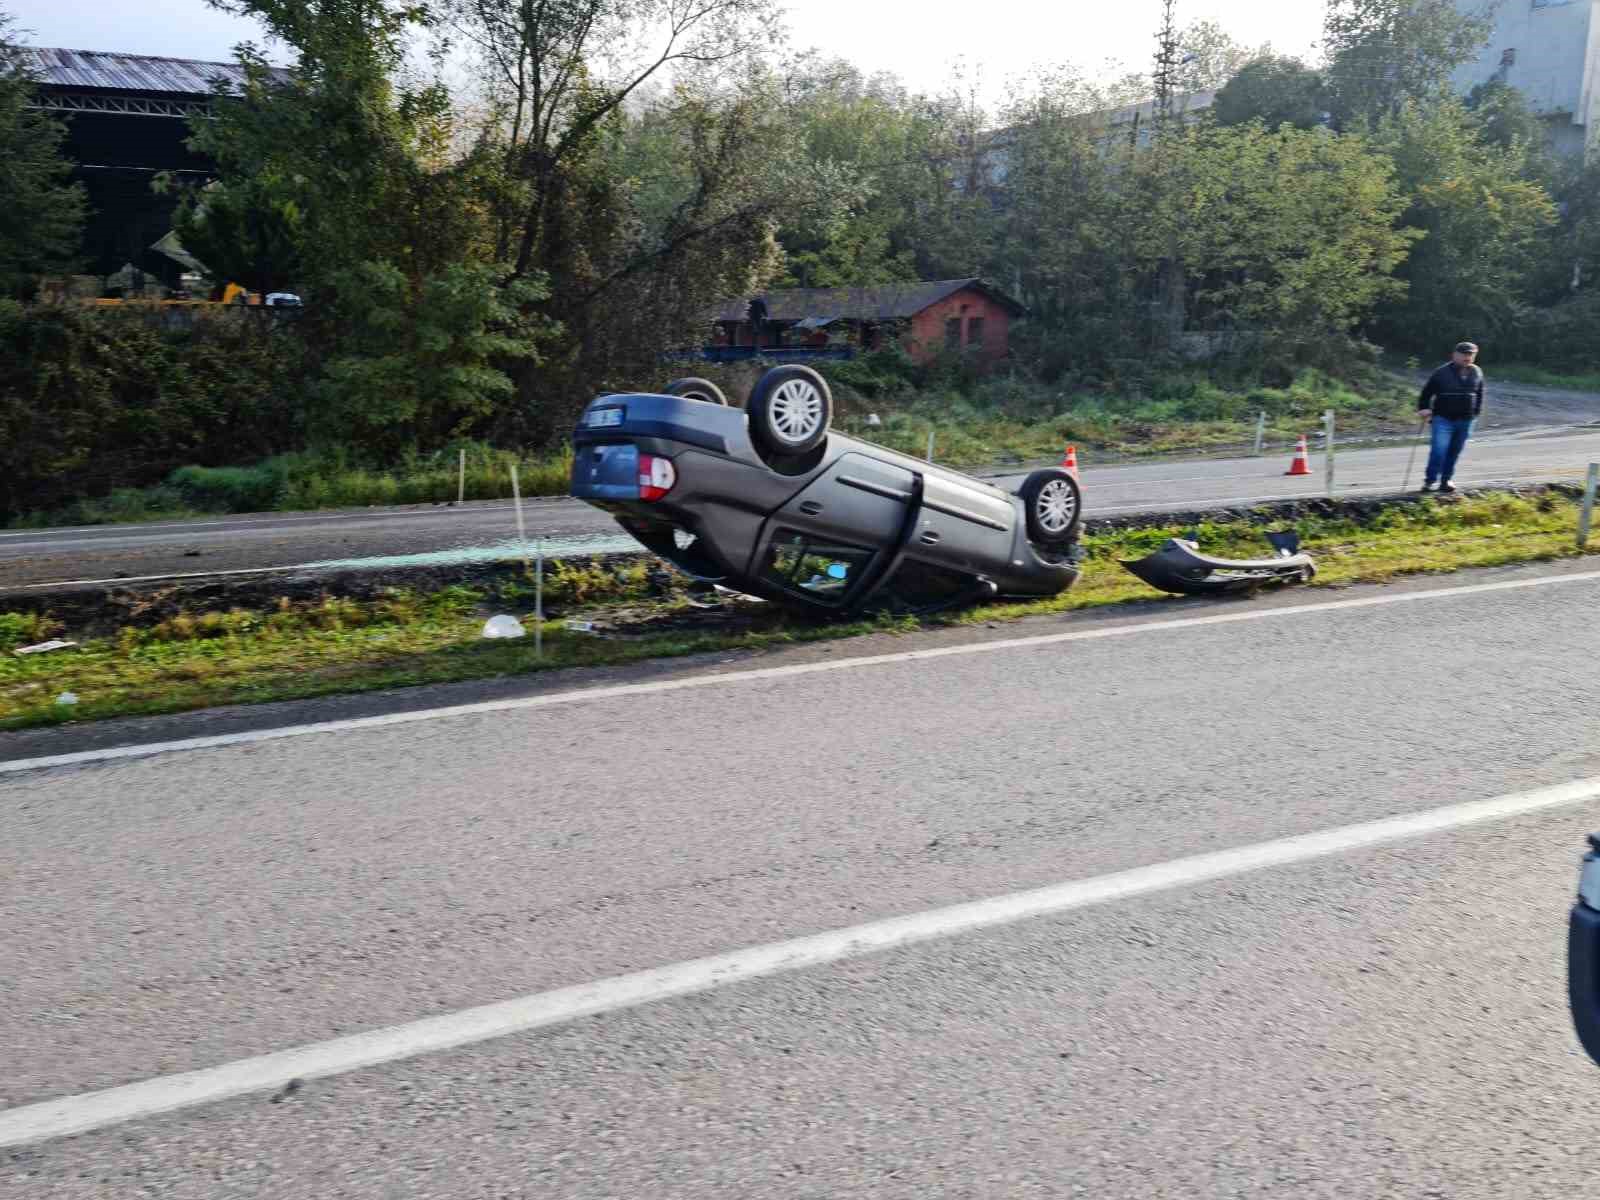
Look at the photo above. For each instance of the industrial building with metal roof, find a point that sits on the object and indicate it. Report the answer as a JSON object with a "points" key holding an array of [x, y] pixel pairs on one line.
{"points": [[128, 118]]}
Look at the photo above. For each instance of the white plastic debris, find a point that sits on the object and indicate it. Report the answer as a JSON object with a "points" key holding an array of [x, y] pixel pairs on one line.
{"points": [[503, 626], [581, 626], [874, 421], [44, 647], [67, 699]]}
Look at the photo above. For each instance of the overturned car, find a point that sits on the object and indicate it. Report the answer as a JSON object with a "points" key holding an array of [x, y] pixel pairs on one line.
{"points": [[770, 501]]}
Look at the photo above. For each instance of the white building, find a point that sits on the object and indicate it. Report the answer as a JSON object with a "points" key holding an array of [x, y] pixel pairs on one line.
{"points": [[1136, 120], [1549, 50]]}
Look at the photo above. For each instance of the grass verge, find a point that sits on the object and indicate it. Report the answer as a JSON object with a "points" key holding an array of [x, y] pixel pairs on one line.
{"points": [[1013, 421], [301, 649]]}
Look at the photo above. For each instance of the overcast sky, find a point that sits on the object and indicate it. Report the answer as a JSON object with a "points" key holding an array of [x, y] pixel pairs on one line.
{"points": [[917, 41]]}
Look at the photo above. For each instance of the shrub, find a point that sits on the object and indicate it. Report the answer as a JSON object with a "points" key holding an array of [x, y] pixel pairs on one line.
{"points": [[93, 400]]}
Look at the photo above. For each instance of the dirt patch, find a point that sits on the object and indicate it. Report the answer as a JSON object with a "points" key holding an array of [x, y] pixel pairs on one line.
{"points": [[1510, 405]]}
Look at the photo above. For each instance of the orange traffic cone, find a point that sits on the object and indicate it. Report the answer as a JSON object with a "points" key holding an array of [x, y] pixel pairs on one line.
{"points": [[1070, 462], [1302, 459]]}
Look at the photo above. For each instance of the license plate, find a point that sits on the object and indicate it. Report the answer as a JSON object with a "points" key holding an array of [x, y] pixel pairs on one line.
{"points": [[604, 418]]}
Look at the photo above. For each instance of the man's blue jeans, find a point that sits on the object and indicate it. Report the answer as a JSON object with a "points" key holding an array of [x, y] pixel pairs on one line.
{"points": [[1449, 436]]}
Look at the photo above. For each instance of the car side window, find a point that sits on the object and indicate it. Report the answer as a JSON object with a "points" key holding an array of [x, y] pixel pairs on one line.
{"points": [[826, 571]]}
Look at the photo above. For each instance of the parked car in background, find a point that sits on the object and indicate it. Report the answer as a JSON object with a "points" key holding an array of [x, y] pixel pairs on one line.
{"points": [[769, 500]]}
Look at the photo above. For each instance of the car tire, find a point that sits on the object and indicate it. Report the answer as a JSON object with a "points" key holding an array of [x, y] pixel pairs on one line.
{"points": [[692, 388], [790, 411], [1054, 506]]}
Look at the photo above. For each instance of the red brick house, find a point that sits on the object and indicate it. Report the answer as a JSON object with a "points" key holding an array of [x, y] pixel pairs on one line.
{"points": [[965, 315]]}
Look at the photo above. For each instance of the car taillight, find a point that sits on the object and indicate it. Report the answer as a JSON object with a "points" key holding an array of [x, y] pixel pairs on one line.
{"points": [[656, 476]]}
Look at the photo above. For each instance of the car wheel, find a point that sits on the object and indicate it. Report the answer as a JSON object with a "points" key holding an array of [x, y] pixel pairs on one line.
{"points": [[1054, 506], [696, 389], [790, 411]]}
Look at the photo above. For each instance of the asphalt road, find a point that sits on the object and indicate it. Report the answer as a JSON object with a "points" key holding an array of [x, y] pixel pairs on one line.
{"points": [[1382, 1021], [484, 531]]}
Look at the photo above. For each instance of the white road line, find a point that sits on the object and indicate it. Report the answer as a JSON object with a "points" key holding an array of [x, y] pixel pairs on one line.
{"points": [[270, 521], [587, 695], [1096, 484], [31, 587], [267, 521], [94, 1110]]}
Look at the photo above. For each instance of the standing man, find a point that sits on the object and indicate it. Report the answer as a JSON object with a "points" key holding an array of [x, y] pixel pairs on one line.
{"points": [[1452, 399], [756, 314]]}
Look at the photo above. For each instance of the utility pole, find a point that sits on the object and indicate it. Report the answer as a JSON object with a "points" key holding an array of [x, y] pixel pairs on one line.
{"points": [[1165, 74], [1167, 313]]}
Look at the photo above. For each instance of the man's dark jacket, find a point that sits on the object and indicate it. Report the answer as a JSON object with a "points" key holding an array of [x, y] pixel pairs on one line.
{"points": [[1448, 394]]}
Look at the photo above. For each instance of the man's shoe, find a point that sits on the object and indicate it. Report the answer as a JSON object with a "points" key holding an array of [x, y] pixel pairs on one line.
{"points": [[1447, 488], [1427, 487]]}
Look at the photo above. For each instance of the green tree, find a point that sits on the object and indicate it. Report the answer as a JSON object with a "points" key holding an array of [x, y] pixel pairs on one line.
{"points": [[419, 366], [1575, 251], [642, 203], [328, 164], [954, 185], [41, 212], [1506, 118], [1275, 91], [1210, 56], [1383, 53], [337, 178], [1069, 203], [1291, 234], [1485, 222], [548, 103], [687, 199], [865, 127]]}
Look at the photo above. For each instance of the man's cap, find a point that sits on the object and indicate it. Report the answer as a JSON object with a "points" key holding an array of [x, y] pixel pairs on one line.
{"points": [[1466, 347]]}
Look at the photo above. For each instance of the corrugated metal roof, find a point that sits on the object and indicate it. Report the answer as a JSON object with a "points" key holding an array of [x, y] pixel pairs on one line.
{"points": [[127, 72], [883, 302]]}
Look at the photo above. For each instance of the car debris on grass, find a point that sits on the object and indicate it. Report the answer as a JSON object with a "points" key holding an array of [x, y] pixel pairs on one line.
{"points": [[1180, 568]]}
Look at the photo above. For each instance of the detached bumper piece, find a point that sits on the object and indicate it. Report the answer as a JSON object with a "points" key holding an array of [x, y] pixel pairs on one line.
{"points": [[1180, 568]]}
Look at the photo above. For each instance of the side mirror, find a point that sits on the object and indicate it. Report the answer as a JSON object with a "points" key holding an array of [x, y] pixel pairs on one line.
{"points": [[1583, 952]]}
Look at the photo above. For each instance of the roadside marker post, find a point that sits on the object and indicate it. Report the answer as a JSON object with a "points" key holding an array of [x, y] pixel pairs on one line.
{"points": [[461, 477], [538, 600], [1261, 432], [930, 445], [1586, 515], [1327, 424], [522, 530]]}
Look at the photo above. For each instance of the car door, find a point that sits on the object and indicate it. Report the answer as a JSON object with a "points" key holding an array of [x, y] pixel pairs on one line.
{"points": [[823, 543], [964, 525]]}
